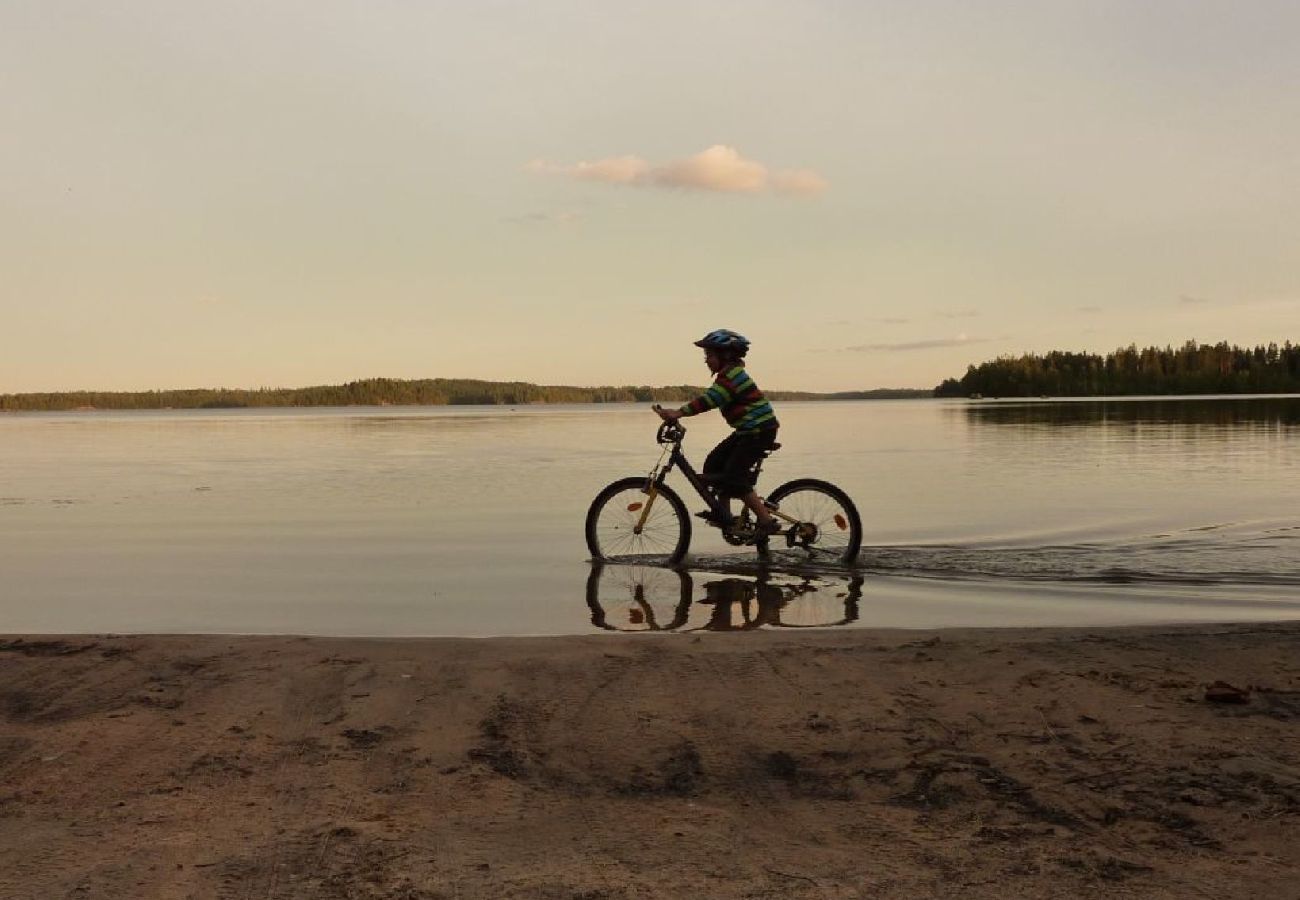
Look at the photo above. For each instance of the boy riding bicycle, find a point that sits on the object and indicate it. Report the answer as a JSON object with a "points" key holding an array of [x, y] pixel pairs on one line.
{"points": [[729, 466]]}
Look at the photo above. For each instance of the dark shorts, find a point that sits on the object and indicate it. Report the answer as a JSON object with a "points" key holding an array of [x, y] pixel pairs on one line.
{"points": [[730, 466]]}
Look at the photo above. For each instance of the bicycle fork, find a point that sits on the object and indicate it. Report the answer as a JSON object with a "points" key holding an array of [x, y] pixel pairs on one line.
{"points": [[652, 492], [653, 480]]}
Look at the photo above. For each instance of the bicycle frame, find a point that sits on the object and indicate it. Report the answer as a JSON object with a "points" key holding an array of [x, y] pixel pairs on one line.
{"points": [[672, 433], [677, 458]]}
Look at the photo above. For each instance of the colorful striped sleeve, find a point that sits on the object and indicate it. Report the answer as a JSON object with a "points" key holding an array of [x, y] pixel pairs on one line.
{"points": [[718, 394]]}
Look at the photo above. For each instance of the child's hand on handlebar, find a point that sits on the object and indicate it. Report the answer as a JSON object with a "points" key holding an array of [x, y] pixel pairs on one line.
{"points": [[668, 415]]}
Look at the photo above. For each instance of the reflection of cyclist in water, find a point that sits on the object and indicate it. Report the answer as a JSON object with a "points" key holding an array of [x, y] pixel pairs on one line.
{"points": [[654, 598], [757, 602], [729, 467], [761, 604]]}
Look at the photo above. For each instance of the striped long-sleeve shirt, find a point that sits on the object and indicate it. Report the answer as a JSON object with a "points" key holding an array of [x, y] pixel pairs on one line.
{"points": [[742, 403]]}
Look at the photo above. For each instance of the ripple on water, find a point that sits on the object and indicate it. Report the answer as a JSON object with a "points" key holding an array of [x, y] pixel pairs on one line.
{"points": [[1197, 556]]}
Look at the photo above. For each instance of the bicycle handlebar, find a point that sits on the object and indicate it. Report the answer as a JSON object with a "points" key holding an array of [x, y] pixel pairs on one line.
{"points": [[669, 432]]}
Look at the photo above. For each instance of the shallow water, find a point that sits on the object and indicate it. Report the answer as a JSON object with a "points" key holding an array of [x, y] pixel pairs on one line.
{"points": [[468, 520]]}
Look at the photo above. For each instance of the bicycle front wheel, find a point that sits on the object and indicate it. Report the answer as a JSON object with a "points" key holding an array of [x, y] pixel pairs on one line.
{"points": [[626, 522], [826, 521]]}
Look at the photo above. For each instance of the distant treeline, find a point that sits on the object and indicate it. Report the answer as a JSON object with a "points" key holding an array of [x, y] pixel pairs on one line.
{"points": [[394, 392], [1190, 369]]}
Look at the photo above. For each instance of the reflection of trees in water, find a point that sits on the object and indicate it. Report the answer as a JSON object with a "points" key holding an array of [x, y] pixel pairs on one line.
{"points": [[1256, 411], [657, 598]]}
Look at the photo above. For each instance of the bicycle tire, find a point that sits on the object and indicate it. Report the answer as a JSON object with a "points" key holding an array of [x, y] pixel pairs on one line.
{"points": [[822, 504], [610, 521]]}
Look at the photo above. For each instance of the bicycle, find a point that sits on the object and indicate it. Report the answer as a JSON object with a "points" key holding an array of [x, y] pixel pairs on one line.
{"points": [[642, 516]]}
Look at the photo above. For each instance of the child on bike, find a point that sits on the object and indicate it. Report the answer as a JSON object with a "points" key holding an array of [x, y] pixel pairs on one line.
{"points": [[729, 465]]}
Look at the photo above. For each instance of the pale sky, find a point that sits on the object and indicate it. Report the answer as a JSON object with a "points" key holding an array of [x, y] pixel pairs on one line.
{"points": [[277, 194]]}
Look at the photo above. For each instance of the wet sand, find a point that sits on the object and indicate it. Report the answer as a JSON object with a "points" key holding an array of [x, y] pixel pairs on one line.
{"points": [[1027, 763]]}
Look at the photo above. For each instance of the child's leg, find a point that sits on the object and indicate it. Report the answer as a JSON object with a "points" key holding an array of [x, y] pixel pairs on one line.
{"points": [[731, 463], [744, 461], [715, 469], [757, 507]]}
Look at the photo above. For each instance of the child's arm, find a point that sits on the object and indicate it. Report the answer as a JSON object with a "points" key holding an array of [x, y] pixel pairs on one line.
{"points": [[717, 394]]}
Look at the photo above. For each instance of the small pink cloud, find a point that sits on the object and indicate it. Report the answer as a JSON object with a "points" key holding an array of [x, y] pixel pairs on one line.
{"points": [[718, 168], [798, 181]]}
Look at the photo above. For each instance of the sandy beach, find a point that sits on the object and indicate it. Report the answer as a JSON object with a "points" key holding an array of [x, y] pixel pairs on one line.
{"points": [[1026, 763]]}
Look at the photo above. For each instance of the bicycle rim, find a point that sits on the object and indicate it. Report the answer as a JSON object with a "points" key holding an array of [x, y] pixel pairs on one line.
{"points": [[836, 527], [612, 521]]}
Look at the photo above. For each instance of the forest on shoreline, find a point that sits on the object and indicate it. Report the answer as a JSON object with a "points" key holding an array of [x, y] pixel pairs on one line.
{"points": [[395, 392], [1190, 369], [1160, 371]]}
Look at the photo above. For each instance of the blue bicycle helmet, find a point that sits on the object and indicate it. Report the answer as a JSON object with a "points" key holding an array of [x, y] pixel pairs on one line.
{"points": [[722, 339]]}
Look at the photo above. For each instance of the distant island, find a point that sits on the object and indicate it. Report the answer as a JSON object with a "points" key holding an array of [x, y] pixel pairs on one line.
{"points": [[397, 392], [1190, 369]]}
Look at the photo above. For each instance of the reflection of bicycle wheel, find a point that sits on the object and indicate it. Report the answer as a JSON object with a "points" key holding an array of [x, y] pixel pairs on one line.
{"points": [[828, 522], [619, 525], [638, 598], [808, 606]]}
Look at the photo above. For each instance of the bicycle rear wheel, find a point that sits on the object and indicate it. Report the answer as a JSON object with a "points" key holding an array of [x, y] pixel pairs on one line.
{"points": [[828, 522], [614, 515]]}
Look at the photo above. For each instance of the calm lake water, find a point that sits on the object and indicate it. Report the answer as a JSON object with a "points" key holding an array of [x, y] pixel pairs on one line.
{"points": [[468, 520]]}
